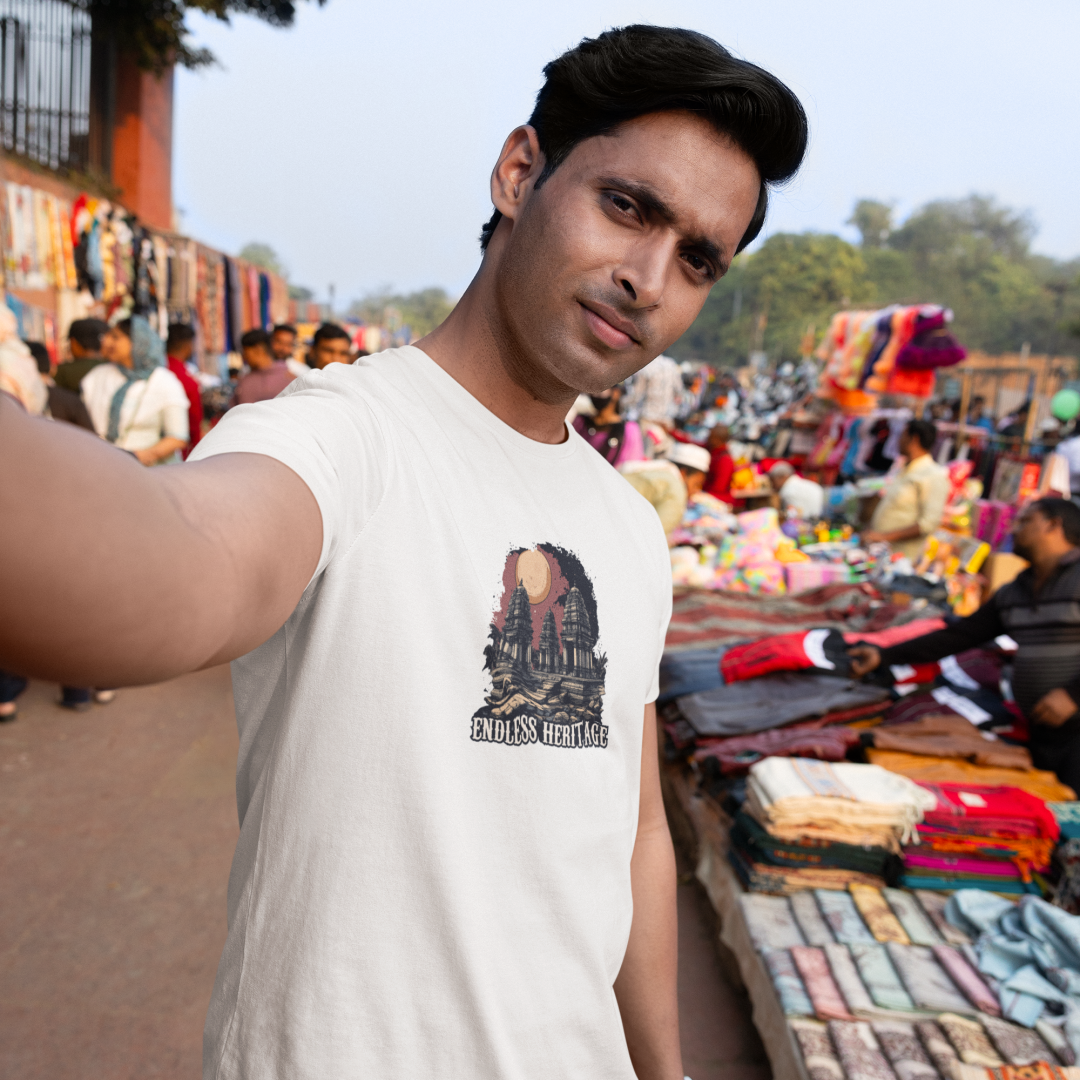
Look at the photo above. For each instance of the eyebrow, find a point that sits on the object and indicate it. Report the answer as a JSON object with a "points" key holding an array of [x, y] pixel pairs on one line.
{"points": [[651, 199]]}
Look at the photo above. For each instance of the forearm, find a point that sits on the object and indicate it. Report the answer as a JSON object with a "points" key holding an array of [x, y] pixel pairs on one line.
{"points": [[113, 574], [161, 450], [646, 989], [982, 626], [898, 536]]}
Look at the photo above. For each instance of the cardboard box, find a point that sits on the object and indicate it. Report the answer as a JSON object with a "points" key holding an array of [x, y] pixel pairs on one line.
{"points": [[1001, 568]]}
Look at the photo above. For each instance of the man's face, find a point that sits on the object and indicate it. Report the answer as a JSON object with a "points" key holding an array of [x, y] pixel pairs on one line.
{"points": [[282, 344], [257, 357], [695, 481], [612, 259], [332, 351], [1029, 532]]}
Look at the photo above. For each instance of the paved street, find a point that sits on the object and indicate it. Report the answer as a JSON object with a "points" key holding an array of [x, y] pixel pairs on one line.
{"points": [[116, 832]]}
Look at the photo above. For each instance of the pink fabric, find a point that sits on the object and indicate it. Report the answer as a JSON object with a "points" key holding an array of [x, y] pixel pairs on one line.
{"points": [[957, 864], [965, 976], [817, 977]]}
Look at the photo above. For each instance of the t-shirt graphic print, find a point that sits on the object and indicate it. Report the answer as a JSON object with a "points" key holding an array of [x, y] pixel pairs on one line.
{"points": [[547, 679]]}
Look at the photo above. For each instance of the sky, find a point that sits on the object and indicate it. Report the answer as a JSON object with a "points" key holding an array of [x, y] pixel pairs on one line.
{"points": [[359, 143]]}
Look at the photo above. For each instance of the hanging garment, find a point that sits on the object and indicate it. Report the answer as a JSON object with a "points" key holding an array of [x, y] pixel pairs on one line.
{"points": [[825, 995], [787, 982]]}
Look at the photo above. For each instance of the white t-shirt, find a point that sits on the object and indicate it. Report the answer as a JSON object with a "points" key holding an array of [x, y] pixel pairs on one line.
{"points": [[805, 495], [439, 770], [154, 408]]}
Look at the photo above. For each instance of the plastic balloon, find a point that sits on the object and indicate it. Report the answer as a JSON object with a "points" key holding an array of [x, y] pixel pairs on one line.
{"points": [[1065, 404]]}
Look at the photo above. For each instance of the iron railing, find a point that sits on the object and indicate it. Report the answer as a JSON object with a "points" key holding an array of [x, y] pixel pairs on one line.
{"points": [[45, 82]]}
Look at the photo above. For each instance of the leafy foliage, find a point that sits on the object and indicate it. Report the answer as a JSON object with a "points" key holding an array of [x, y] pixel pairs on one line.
{"points": [[421, 311], [154, 32], [971, 254], [264, 257]]}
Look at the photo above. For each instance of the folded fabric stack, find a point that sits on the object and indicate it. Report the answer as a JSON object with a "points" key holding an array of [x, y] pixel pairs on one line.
{"points": [[872, 991], [994, 838]]}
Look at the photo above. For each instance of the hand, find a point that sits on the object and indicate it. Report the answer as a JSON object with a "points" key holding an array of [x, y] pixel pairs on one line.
{"points": [[1054, 708], [864, 659], [146, 457]]}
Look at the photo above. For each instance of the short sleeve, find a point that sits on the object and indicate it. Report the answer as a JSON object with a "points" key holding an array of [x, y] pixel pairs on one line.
{"points": [[664, 585], [934, 492], [329, 432]]}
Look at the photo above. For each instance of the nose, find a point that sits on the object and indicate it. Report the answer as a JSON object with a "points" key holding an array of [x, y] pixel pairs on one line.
{"points": [[643, 271]]}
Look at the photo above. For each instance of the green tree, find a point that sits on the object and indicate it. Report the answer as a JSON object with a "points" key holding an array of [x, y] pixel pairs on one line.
{"points": [[873, 220], [264, 257], [421, 311], [154, 31]]}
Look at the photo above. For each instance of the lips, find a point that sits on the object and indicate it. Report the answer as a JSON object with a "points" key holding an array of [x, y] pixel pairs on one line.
{"points": [[613, 331]]}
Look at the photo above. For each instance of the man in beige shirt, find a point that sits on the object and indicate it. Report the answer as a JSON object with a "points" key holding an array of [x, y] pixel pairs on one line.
{"points": [[914, 499]]}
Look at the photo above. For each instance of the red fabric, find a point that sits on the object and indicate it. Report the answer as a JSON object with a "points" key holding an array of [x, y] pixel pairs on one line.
{"points": [[920, 673], [721, 469], [894, 635], [781, 652], [195, 409], [972, 808], [737, 754]]}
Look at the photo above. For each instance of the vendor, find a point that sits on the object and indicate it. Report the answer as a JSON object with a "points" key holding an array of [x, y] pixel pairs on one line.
{"points": [[721, 465], [1040, 611], [805, 497], [914, 499], [669, 483]]}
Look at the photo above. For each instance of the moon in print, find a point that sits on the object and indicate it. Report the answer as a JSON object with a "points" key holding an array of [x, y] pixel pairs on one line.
{"points": [[533, 572]]}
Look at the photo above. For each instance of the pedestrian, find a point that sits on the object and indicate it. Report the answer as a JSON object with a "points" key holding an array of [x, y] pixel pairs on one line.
{"points": [[265, 377], [1040, 611], [179, 347], [805, 497], [84, 344], [62, 404], [721, 465], [453, 856], [619, 440], [283, 347], [134, 400], [668, 483], [330, 345], [656, 392], [913, 501]]}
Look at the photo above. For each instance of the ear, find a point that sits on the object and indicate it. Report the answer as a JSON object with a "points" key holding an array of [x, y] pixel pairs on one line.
{"points": [[516, 172]]}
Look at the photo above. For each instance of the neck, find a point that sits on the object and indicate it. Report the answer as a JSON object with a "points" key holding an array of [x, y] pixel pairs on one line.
{"points": [[1045, 562], [477, 348]]}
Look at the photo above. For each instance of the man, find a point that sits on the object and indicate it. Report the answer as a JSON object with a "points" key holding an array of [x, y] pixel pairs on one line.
{"points": [[977, 416], [721, 465], [453, 856], [656, 392], [283, 347], [179, 345], [63, 404], [914, 500], [805, 497], [265, 377], [84, 341], [1040, 611], [330, 345], [668, 483]]}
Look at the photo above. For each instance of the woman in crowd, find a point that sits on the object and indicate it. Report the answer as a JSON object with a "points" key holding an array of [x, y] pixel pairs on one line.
{"points": [[617, 439], [134, 400]]}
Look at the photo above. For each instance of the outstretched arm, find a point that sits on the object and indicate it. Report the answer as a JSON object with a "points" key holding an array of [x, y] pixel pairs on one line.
{"points": [[646, 988], [113, 574]]}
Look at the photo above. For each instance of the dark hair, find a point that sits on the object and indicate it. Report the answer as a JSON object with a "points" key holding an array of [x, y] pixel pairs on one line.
{"points": [[1064, 511], [254, 338], [179, 333], [86, 333], [330, 332], [284, 328], [635, 70], [124, 326], [923, 430], [40, 355]]}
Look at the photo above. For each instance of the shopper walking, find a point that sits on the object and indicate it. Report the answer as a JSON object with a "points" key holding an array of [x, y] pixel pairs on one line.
{"points": [[265, 377], [135, 402], [453, 856]]}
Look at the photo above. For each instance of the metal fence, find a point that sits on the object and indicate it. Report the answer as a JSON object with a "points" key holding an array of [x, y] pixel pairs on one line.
{"points": [[45, 81]]}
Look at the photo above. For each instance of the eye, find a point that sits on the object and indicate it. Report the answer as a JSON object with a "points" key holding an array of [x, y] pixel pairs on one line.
{"points": [[700, 265], [622, 204]]}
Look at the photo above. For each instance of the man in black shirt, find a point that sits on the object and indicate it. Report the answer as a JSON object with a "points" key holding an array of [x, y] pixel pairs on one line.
{"points": [[1040, 611]]}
